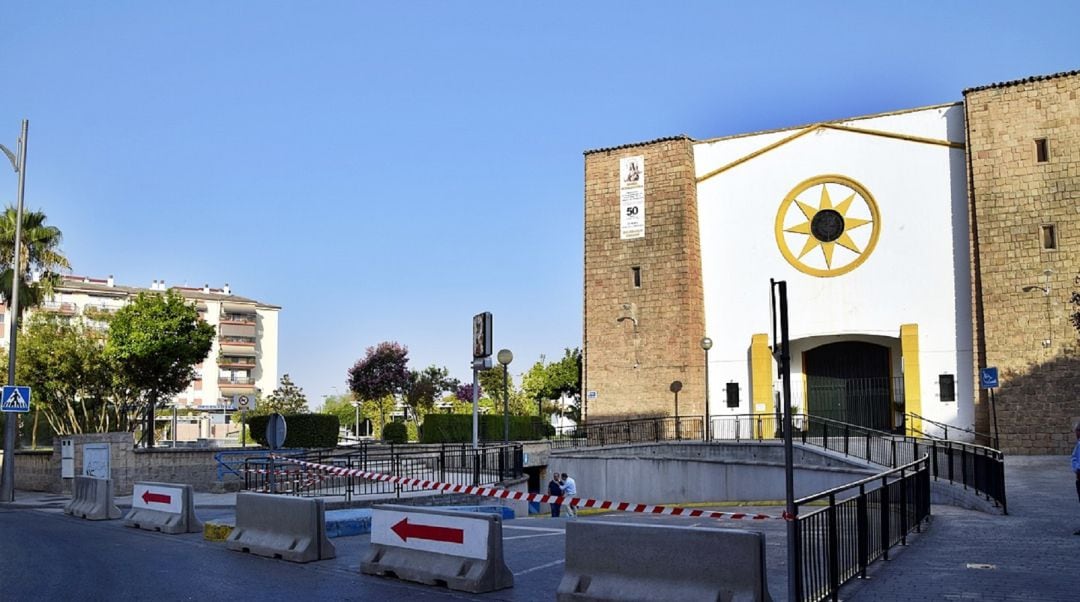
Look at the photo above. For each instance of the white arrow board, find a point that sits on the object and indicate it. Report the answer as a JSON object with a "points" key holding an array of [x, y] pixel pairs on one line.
{"points": [[453, 535], [156, 497]]}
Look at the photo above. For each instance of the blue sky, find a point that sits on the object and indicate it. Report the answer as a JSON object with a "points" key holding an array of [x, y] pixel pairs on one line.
{"points": [[383, 171]]}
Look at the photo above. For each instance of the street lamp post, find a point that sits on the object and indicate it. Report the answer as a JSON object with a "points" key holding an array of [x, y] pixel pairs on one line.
{"points": [[7, 474], [356, 425], [706, 344], [676, 386], [505, 357]]}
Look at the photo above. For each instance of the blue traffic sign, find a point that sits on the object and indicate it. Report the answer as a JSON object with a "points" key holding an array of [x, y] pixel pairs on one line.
{"points": [[15, 399], [988, 378]]}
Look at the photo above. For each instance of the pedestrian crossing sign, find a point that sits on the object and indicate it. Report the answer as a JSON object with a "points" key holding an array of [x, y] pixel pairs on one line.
{"points": [[15, 399]]}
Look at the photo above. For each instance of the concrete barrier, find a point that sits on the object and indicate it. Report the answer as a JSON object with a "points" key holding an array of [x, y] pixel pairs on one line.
{"points": [[459, 550], [277, 526], [164, 507], [92, 499], [623, 561]]}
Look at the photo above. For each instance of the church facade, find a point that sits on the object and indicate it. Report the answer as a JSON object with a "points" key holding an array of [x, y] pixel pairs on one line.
{"points": [[918, 247]]}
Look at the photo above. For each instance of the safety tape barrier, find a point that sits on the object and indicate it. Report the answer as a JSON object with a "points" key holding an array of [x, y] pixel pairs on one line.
{"points": [[576, 502]]}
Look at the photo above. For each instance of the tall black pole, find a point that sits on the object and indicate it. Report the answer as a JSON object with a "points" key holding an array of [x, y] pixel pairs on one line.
{"points": [[794, 574], [11, 422], [506, 405]]}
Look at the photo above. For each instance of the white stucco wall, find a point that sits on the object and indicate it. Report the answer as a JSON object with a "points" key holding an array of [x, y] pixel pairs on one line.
{"points": [[918, 273]]}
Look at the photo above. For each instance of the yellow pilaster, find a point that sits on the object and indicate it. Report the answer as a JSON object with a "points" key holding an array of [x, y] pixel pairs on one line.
{"points": [[761, 375], [909, 351]]}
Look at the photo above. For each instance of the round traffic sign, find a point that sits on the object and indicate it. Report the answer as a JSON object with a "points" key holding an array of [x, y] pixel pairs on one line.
{"points": [[243, 401], [275, 431]]}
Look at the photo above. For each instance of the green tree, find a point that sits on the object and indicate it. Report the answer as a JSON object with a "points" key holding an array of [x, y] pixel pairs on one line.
{"points": [[543, 384], [286, 399], [424, 388], [342, 407], [154, 342], [39, 254], [64, 362]]}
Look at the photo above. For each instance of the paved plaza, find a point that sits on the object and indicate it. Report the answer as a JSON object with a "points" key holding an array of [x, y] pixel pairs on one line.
{"points": [[1031, 554]]}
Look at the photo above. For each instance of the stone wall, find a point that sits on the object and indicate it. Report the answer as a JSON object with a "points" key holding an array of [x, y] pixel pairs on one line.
{"points": [[40, 471], [638, 340], [1022, 290]]}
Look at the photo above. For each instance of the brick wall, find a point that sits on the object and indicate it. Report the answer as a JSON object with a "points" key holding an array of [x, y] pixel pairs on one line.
{"points": [[1026, 333], [638, 340]]}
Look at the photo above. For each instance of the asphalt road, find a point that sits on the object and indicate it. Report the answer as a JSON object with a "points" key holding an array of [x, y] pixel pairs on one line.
{"points": [[50, 556]]}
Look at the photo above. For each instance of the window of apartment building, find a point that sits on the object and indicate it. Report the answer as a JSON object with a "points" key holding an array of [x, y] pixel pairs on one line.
{"points": [[1048, 236], [1042, 150], [635, 275]]}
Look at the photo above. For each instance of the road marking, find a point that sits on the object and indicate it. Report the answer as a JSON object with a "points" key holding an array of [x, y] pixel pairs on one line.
{"points": [[531, 536], [539, 568], [544, 529]]}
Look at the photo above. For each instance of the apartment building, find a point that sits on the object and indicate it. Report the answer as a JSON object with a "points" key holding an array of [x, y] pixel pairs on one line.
{"points": [[243, 360]]}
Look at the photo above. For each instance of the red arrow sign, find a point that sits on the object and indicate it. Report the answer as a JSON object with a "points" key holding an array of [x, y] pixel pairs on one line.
{"points": [[160, 498], [404, 530]]}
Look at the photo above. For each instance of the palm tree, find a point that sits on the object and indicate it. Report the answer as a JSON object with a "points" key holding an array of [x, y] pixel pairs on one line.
{"points": [[39, 254]]}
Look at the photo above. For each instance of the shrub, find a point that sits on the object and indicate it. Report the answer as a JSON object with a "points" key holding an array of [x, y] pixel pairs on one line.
{"points": [[457, 428], [395, 432], [302, 430]]}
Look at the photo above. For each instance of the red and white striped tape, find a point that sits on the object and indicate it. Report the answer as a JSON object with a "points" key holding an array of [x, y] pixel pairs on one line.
{"points": [[577, 502]]}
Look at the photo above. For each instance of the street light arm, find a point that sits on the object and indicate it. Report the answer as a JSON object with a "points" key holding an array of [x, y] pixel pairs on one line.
{"points": [[11, 157]]}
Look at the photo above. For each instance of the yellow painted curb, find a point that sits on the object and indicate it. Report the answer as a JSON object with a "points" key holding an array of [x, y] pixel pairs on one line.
{"points": [[216, 531]]}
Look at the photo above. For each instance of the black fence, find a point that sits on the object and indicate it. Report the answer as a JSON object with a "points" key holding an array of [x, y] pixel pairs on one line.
{"points": [[640, 430], [974, 467], [859, 524], [457, 464]]}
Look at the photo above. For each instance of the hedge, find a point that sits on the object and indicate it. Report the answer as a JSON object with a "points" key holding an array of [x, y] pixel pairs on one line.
{"points": [[302, 430], [395, 432], [457, 428]]}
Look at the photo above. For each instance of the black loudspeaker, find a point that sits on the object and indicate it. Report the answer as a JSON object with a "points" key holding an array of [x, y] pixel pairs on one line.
{"points": [[733, 395], [947, 386]]}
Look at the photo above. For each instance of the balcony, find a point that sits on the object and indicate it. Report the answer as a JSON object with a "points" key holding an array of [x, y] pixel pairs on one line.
{"points": [[234, 318], [236, 384], [66, 309], [236, 362]]}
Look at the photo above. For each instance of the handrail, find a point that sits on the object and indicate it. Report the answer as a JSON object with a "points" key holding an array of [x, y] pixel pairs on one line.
{"points": [[945, 427], [871, 479]]}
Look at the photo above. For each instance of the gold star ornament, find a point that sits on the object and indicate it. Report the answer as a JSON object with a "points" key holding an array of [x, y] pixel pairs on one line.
{"points": [[822, 238]]}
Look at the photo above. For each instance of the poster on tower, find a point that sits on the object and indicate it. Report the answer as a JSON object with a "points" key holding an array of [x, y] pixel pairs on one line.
{"points": [[632, 197]]}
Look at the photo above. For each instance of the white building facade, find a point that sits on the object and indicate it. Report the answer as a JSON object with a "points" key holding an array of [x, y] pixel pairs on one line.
{"points": [[244, 356]]}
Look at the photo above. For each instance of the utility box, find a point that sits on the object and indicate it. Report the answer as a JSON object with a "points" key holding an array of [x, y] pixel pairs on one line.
{"points": [[67, 459]]}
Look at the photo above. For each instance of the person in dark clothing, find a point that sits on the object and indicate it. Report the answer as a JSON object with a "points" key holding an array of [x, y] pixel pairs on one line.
{"points": [[555, 488]]}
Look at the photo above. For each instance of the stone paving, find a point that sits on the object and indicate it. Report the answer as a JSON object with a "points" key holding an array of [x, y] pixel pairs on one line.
{"points": [[1031, 554]]}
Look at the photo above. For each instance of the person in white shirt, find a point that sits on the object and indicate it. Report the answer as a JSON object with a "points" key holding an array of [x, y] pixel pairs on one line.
{"points": [[569, 490]]}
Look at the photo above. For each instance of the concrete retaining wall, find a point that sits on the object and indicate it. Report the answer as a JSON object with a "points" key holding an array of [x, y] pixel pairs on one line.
{"points": [[658, 474]]}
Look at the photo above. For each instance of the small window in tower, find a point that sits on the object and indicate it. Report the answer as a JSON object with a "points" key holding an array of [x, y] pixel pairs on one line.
{"points": [[636, 274], [1042, 150], [1049, 237]]}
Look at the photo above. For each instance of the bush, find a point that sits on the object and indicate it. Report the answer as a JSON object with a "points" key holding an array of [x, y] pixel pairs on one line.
{"points": [[457, 428], [395, 432], [302, 430]]}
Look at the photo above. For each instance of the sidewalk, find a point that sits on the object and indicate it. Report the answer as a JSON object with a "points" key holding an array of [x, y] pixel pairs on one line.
{"points": [[1031, 554]]}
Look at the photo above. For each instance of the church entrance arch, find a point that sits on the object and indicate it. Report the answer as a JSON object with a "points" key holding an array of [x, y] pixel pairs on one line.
{"points": [[850, 381]]}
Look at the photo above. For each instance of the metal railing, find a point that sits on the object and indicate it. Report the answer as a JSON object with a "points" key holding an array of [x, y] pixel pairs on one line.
{"points": [[975, 467], [457, 464], [859, 524], [941, 430], [640, 430]]}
